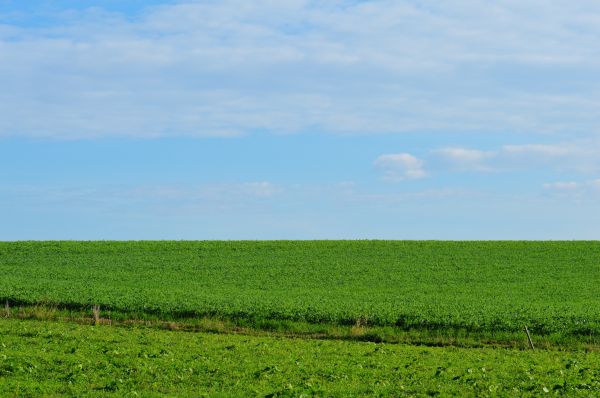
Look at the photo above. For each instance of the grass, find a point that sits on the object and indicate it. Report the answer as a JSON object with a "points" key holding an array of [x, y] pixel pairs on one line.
{"points": [[322, 331], [316, 318], [477, 287], [41, 358]]}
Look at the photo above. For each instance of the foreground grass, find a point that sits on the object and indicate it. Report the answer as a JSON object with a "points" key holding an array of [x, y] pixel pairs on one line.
{"points": [[40, 358]]}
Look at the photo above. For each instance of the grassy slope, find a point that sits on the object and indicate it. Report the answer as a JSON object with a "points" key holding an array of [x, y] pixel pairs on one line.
{"points": [[474, 286], [53, 358]]}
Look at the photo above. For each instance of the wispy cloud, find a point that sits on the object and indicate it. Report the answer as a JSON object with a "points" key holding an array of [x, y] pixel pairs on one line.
{"points": [[578, 190], [580, 160], [562, 185], [246, 190], [400, 166], [580, 157], [465, 158], [230, 67], [223, 194], [539, 150]]}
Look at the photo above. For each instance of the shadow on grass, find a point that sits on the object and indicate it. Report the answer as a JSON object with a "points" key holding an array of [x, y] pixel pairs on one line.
{"points": [[360, 331]]}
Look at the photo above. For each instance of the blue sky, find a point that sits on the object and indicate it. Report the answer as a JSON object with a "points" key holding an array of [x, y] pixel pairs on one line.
{"points": [[299, 120]]}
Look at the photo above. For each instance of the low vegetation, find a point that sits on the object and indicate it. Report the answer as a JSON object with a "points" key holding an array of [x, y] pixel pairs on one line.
{"points": [[308, 318], [40, 358], [470, 287]]}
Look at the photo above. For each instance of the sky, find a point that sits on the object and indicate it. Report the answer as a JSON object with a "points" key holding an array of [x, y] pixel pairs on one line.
{"points": [[297, 119]]}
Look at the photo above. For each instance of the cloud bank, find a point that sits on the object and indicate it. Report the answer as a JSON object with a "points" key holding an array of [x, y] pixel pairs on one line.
{"points": [[226, 68]]}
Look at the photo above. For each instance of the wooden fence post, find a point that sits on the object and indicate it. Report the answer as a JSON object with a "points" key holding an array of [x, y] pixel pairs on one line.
{"points": [[529, 338]]}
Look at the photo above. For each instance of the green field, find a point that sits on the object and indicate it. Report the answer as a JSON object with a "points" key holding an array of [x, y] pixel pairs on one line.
{"points": [[553, 287], [54, 359], [299, 318]]}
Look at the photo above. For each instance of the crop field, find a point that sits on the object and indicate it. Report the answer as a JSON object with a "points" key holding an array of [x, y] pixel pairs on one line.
{"points": [[299, 318], [553, 287], [39, 358]]}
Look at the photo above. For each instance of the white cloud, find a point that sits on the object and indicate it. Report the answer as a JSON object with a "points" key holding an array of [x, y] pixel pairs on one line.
{"points": [[578, 190], [577, 156], [465, 158], [400, 166], [538, 150], [231, 67], [263, 189], [235, 192], [560, 185], [230, 194]]}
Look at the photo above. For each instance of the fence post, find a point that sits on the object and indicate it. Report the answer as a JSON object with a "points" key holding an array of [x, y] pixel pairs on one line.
{"points": [[529, 338], [96, 311]]}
